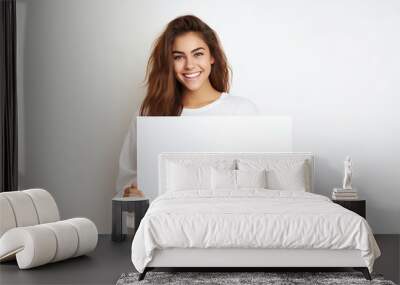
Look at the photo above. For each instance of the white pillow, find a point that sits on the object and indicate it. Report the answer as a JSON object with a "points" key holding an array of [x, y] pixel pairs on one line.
{"points": [[187, 177], [251, 178], [223, 179], [288, 179], [282, 174]]}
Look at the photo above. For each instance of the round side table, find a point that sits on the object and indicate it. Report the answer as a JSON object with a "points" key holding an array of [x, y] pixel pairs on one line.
{"points": [[137, 205]]}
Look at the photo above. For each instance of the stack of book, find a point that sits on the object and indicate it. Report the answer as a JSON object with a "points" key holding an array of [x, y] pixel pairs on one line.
{"points": [[344, 194]]}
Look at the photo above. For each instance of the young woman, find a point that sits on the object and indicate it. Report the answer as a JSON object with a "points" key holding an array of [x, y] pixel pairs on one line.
{"points": [[187, 75]]}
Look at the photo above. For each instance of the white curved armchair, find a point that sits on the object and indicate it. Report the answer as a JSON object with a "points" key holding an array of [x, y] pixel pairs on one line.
{"points": [[31, 230]]}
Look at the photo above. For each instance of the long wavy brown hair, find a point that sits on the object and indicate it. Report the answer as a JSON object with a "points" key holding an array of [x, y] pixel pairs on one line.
{"points": [[164, 92]]}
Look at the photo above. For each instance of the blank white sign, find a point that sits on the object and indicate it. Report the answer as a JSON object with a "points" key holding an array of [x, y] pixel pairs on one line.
{"points": [[156, 135]]}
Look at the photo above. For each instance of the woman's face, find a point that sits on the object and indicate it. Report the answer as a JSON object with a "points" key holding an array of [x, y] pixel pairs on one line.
{"points": [[192, 61]]}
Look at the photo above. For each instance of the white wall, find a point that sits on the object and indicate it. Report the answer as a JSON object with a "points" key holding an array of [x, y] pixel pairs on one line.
{"points": [[331, 65]]}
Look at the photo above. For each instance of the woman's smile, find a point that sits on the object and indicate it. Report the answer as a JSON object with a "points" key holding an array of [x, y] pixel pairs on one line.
{"points": [[192, 76]]}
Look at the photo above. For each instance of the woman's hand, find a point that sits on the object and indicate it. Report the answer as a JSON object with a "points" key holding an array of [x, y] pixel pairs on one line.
{"points": [[132, 191]]}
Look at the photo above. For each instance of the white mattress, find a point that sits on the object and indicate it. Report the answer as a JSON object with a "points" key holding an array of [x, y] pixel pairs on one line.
{"points": [[251, 218]]}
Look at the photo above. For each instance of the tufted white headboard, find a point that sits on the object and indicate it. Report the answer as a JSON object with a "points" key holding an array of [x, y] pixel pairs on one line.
{"points": [[230, 159]]}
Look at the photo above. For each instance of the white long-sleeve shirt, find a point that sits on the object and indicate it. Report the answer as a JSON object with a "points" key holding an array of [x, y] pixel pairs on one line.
{"points": [[225, 105]]}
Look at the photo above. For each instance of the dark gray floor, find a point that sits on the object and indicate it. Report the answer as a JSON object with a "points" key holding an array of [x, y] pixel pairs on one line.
{"points": [[102, 266], [389, 262], [110, 260]]}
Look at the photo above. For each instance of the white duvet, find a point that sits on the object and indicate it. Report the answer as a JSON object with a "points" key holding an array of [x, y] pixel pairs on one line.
{"points": [[251, 218]]}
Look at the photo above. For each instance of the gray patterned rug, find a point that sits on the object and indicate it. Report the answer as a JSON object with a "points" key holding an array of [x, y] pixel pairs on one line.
{"points": [[270, 278]]}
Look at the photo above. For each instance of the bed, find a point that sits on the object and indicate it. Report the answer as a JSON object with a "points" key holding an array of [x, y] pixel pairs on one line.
{"points": [[243, 210]]}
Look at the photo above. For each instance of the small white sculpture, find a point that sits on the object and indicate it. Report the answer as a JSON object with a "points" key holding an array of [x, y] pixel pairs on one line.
{"points": [[347, 173]]}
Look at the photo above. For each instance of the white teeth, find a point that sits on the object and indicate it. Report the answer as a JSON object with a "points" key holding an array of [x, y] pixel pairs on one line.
{"points": [[192, 75]]}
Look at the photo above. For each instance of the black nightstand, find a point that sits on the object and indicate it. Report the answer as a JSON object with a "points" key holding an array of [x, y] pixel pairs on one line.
{"points": [[357, 206], [138, 205]]}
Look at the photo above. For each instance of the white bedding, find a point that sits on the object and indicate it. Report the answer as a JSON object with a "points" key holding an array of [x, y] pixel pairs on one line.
{"points": [[250, 218]]}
